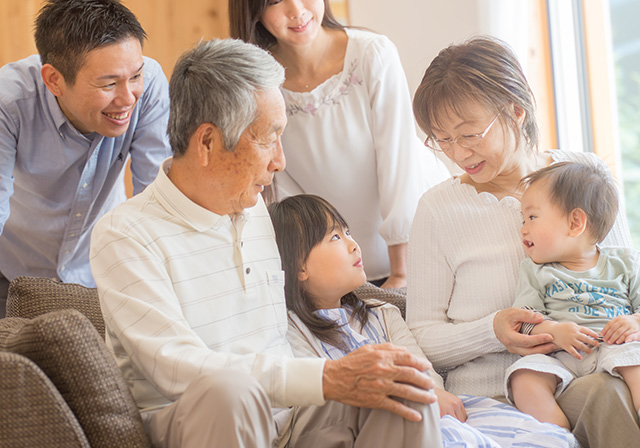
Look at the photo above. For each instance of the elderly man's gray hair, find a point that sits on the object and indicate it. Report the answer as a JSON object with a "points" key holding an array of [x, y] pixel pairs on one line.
{"points": [[216, 82]]}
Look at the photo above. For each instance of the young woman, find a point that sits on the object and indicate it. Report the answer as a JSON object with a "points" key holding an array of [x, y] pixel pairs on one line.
{"points": [[323, 265], [475, 105], [351, 136]]}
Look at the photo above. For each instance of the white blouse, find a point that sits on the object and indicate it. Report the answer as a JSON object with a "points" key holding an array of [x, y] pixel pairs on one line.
{"points": [[352, 140]]}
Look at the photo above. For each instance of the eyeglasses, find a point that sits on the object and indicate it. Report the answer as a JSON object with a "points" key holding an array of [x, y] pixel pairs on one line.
{"points": [[466, 141]]}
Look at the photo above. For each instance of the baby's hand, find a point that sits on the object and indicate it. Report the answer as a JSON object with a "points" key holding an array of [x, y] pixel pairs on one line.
{"points": [[633, 337], [621, 329], [574, 338]]}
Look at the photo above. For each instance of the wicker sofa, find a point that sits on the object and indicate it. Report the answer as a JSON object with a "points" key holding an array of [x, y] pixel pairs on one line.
{"points": [[59, 384]]}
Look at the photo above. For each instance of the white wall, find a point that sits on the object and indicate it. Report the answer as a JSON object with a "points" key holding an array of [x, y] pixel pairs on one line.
{"points": [[421, 28]]}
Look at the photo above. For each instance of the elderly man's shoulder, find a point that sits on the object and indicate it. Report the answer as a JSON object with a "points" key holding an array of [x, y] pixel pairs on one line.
{"points": [[133, 213]]}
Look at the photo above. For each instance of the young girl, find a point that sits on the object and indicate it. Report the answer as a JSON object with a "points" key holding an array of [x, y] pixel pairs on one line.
{"points": [[323, 266], [349, 112]]}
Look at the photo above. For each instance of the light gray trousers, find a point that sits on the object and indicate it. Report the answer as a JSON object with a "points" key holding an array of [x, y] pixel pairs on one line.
{"points": [[232, 410]]}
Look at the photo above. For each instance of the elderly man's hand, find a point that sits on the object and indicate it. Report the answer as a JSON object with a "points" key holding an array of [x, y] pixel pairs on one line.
{"points": [[506, 326], [370, 376]]}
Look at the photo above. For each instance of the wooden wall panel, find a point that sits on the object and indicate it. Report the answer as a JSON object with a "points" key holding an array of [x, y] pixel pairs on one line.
{"points": [[16, 29], [173, 26]]}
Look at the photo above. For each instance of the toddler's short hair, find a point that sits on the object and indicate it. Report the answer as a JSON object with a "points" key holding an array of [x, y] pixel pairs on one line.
{"points": [[586, 186]]}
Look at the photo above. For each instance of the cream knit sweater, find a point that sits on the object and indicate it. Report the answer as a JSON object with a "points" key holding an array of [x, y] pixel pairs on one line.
{"points": [[464, 256]]}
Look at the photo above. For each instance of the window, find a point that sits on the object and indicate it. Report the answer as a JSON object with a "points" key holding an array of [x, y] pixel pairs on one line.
{"points": [[596, 64], [625, 34]]}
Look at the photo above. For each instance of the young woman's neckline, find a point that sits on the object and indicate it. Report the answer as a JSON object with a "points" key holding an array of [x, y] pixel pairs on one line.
{"points": [[337, 70]]}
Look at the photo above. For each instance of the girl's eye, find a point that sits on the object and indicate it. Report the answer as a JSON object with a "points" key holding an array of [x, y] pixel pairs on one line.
{"points": [[532, 217], [335, 237], [347, 232]]}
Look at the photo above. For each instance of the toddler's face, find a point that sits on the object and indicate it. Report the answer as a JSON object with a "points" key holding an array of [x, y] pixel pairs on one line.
{"points": [[545, 227], [333, 268]]}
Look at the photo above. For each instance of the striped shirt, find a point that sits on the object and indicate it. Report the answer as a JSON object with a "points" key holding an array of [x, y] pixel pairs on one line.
{"points": [[371, 333], [185, 291]]}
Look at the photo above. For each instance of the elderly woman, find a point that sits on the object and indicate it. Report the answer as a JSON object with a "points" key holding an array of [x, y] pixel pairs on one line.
{"points": [[475, 106]]}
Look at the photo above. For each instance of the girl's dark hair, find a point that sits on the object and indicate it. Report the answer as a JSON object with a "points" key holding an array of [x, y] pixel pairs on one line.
{"points": [[301, 222], [244, 21]]}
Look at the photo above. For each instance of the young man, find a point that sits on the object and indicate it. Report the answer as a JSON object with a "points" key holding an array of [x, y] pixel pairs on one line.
{"points": [[69, 120]]}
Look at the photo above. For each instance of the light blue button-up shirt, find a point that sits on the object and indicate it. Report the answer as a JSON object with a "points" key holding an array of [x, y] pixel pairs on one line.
{"points": [[56, 182]]}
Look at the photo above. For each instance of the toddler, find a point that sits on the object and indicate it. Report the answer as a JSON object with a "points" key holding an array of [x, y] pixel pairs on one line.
{"points": [[589, 294]]}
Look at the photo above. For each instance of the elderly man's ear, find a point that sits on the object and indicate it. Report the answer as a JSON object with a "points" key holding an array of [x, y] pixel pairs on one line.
{"points": [[207, 141]]}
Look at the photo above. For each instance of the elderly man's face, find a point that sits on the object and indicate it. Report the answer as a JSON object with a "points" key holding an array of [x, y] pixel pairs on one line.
{"points": [[243, 173]]}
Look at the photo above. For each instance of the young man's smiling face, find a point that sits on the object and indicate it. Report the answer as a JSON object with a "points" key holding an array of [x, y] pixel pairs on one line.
{"points": [[106, 90]]}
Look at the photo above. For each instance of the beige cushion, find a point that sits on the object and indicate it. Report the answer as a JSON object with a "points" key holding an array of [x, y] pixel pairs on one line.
{"points": [[32, 296], [394, 296], [68, 349], [34, 414]]}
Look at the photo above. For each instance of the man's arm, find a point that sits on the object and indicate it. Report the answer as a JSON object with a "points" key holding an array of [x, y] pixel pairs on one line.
{"points": [[150, 144], [8, 145], [372, 375], [147, 326]]}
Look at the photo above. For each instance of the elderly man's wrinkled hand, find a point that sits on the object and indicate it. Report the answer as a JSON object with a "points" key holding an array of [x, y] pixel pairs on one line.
{"points": [[372, 375]]}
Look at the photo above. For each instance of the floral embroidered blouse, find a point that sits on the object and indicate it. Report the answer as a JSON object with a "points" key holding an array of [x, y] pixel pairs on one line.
{"points": [[353, 141]]}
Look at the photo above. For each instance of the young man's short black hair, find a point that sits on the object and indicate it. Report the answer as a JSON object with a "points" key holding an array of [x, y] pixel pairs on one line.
{"points": [[66, 30]]}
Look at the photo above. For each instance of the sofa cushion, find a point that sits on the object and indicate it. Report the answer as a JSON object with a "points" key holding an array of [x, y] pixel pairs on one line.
{"points": [[32, 296], [33, 411], [69, 350], [394, 296]]}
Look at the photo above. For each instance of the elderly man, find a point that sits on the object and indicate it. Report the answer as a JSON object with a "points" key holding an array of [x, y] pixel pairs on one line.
{"points": [[70, 118], [191, 287]]}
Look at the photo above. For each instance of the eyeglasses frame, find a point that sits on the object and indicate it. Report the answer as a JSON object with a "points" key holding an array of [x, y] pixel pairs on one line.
{"points": [[436, 142]]}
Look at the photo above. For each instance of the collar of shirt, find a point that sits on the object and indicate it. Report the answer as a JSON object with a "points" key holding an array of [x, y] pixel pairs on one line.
{"points": [[59, 118], [182, 207]]}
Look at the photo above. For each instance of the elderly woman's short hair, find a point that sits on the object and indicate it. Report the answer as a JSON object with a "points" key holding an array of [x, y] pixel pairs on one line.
{"points": [[482, 70], [216, 82]]}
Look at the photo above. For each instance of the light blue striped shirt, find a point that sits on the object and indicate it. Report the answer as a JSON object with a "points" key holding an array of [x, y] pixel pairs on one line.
{"points": [[372, 333], [55, 183]]}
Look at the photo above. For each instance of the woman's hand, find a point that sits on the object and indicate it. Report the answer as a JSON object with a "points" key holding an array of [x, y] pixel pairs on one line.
{"points": [[450, 405], [622, 329], [506, 326]]}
